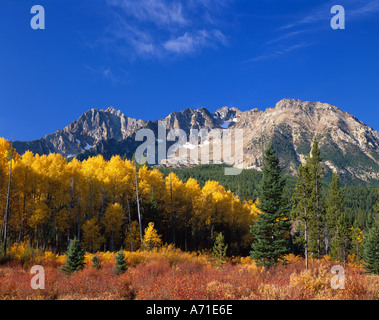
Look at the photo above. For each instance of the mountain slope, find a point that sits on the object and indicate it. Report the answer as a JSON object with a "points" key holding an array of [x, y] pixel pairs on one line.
{"points": [[347, 144], [92, 127]]}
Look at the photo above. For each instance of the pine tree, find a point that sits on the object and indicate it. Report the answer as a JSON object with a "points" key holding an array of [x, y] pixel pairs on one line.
{"points": [[120, 266], [371, 250], [315, 202], [334, 209], [74, 258], [272, 226], [356, 241], [219, 250], [341, 243], [376, 207], [300, 209]]}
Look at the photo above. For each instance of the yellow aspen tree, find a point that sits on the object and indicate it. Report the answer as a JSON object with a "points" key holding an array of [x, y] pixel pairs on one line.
{"points": [[149, 180], [4, 147], [175, 190], [73, 189], [132, 237], [6, 218], [191, 208], [214, 204], [56, 198], [92, 237], [113, 221], [118, 177], [26, 184], [151, 239], [92, 171]]}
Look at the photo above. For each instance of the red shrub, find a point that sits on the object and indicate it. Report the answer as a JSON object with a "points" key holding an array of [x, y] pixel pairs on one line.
{"points": [[190, 279]]}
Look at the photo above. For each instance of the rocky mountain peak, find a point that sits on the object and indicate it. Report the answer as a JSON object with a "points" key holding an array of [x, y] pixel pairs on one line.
{"points": [[113, 111], [348, 146], [228, 114], [299, 105]]}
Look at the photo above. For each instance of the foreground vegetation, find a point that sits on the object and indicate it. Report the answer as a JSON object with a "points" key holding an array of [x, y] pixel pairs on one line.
{"points": [[88, 210], [107, 204], [169, 273]]}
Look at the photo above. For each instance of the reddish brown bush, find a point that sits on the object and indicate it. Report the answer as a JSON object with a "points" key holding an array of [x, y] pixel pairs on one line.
{"points": [[166, 277]]}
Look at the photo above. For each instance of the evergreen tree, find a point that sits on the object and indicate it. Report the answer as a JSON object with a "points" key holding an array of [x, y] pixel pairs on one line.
{"points": [[272, 226], [370, 253], [376, 207], [370, 221], [315, 201], [341, 243], [120, 266], [219, 250], [74, 258], [356, 241], [300, 209], [334, 209], [371, 250]]}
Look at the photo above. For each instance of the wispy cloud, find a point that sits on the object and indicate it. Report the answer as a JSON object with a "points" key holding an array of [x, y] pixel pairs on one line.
{"points": [[279, 52], [286, 36], [161, 13], [290, 36], [104, 72], [354, 10], [191, 43], [158, 28], [363, 11]]}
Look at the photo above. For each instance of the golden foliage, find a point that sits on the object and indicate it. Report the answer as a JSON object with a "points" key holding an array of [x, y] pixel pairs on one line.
{"points": [[151, 239], [92, 238], [97, 198], [17, 250], [314, 280]]}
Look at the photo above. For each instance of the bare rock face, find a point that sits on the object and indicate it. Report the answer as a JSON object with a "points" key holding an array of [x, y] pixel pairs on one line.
{"points": [[92, 127], [347, 145], [190, 119]]}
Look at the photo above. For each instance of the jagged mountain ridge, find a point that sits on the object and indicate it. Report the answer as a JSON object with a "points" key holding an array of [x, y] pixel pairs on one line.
{"points": [[347, 145], [92, 127]]}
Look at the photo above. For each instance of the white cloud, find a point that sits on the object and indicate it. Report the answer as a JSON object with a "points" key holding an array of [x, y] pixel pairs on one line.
{"points": [[367, 9], [157, 28], [191, 43], [354, 9], [159, 12], [279, 52], [311, 24]]}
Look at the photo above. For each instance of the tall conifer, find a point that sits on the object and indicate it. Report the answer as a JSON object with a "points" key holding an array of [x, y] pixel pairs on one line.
{"points": [[316, 203], [272, 226], [341, 243], [371, 250], [308, 209], [300, 209], [74, 258], [334, 209]]}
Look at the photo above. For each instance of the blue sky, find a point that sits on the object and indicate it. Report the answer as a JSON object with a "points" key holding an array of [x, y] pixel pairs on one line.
{"points": [[152, 57]]}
